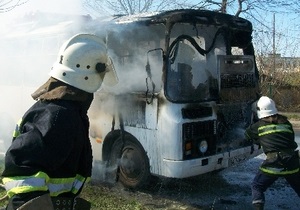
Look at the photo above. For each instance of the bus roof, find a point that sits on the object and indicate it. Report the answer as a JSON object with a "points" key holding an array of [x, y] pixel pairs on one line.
{"points": [[187, 15]]}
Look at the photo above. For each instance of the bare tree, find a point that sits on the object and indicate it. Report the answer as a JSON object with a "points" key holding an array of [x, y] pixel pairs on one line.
{"points": [[257, 11], [125, 7], [234, 7], [8, 5]]}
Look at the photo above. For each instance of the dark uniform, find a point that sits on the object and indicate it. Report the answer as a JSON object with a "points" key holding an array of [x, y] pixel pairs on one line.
{"points": [[276, 136], [50, 158], [51, 151]]}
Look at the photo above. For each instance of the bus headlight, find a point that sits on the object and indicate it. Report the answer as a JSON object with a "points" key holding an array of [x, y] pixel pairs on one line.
{"points": [[203, 146]]}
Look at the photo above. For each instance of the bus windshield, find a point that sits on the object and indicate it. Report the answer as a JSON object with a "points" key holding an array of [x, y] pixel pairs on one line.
{"points": [[192, 65]]}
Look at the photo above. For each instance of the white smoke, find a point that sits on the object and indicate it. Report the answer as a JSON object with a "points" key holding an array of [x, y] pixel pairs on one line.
{"points": [[31, 35], [29, 45]]}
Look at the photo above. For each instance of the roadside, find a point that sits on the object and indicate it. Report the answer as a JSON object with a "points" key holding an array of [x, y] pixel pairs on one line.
{"points": [[294, 118], [296, 124]]}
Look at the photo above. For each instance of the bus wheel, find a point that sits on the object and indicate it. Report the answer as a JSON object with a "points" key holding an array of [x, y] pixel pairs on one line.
{"points": [[133, 171]]}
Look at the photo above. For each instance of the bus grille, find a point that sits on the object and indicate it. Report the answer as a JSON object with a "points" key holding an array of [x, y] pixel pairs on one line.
{"points": [[195, 132]]}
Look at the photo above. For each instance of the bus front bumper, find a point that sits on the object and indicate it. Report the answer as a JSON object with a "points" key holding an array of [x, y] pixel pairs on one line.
{"points": [[194, 167]]}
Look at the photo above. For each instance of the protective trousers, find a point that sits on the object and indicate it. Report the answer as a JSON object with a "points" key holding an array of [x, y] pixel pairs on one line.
{"points": [[263, 181]]}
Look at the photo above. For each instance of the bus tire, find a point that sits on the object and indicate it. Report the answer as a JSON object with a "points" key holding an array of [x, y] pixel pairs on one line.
{"points": [[133, 164]]}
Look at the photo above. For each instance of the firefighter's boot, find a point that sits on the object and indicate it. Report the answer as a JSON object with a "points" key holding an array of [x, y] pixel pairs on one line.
{"points": [[258, 206]]}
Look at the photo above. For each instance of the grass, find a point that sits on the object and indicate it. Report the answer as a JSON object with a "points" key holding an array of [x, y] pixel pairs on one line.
{"points": [[101, 197], [2, 191]]}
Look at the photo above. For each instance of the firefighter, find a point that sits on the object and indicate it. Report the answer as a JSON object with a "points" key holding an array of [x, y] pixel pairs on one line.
{"points": [[50, 158], [275, 134]]}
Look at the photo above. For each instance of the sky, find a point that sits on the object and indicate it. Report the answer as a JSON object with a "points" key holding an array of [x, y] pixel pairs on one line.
{"points": [[286, 35], [18, 98], [53, 6]]}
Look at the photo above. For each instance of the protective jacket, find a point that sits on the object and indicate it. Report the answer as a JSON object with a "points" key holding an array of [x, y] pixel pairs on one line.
{"points": [[277, 139], [51, 151]]}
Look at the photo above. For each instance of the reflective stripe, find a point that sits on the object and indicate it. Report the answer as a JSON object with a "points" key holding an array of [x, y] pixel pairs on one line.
{"points": [[78, 183], [16, 132], [23, 184], [267, 129], [38, 182], [42, 182], [60, 185], [277, 171], [258, 201]]}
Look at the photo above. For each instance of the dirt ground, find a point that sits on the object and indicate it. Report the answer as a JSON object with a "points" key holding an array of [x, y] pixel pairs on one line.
{"points": [[228, 189], [225, 190]]}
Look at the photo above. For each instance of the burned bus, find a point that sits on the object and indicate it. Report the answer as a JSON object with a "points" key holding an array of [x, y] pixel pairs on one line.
{"points": [[186, 82]]}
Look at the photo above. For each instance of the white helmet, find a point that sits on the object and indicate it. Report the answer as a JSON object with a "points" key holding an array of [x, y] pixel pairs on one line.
{"points": [[265, 107], [82, 62]]}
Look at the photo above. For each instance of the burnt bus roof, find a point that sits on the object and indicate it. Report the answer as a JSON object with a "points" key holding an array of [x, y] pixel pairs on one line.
{"points": [[188, 15]]}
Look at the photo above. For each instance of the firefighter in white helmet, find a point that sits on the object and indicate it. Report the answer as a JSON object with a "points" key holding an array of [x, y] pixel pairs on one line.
{"points": [[50, 158], [275, 134]]}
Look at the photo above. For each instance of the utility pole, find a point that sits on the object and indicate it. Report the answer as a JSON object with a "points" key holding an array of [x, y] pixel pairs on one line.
{"points": [[274, 48], [274, 59]]}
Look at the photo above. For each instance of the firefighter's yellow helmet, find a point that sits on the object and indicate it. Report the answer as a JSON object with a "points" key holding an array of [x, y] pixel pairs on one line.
{"points": [[83, 63]]}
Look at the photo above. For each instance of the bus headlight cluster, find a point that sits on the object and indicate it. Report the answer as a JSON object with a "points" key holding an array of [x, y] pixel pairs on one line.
{"points": [[203, 146]]}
